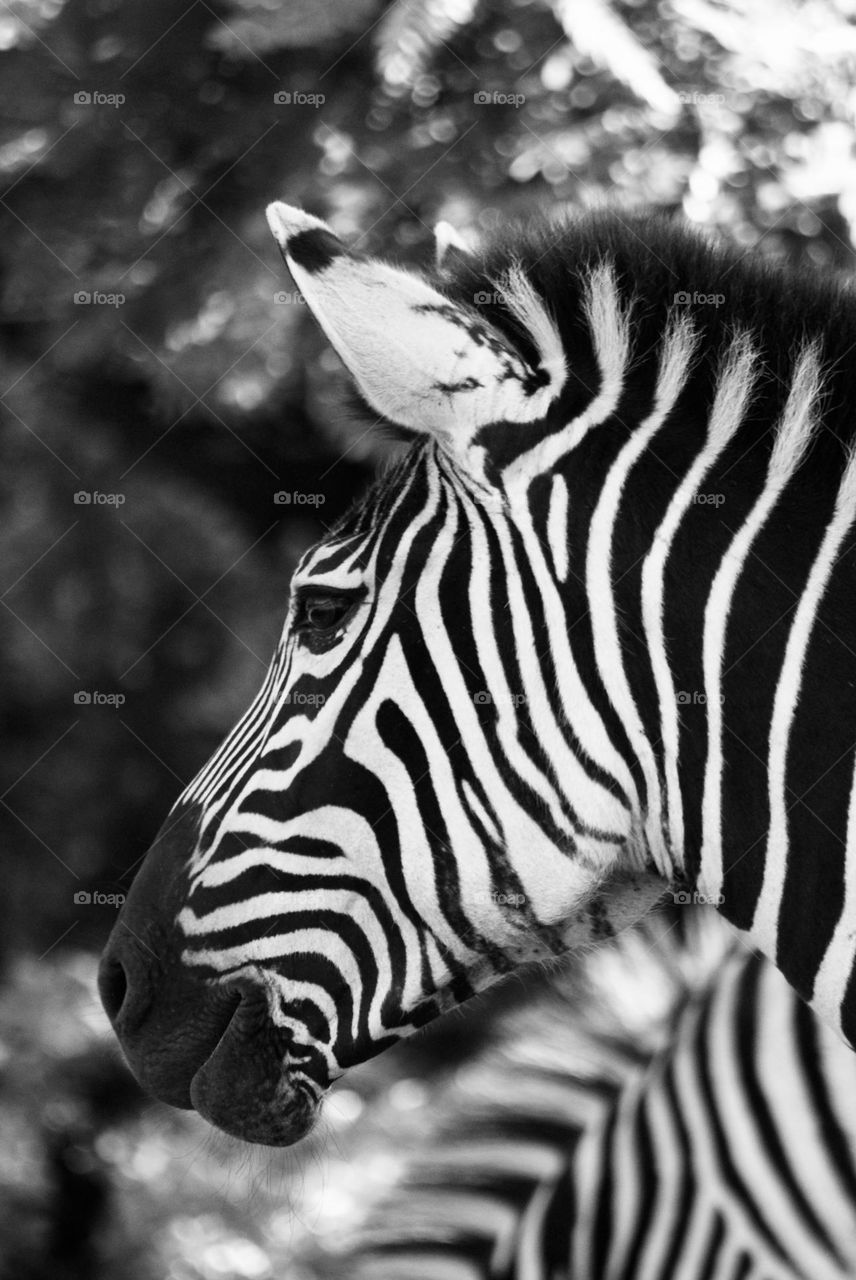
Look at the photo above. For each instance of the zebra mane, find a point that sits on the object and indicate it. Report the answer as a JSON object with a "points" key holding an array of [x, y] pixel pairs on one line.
{"points": [[369, 507], [655, 257], [508, 1121], [665, 268]]}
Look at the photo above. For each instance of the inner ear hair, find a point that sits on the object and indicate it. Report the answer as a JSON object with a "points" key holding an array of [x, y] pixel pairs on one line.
{"points": [[364, 416]]}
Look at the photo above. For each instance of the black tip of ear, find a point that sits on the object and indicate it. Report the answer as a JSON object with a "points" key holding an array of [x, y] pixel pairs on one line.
{"points": [[315, 249]]}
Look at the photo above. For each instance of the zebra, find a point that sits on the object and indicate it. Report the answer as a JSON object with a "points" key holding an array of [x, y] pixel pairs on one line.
{"points": [[706, 1132], [585, 642]]}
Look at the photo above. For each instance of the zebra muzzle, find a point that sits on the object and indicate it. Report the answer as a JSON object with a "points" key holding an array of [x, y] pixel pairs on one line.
{"points": [[212, 1047], [192, 1037]]}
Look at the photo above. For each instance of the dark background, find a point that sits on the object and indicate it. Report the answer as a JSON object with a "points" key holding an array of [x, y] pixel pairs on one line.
{"points": [[156, 359]]}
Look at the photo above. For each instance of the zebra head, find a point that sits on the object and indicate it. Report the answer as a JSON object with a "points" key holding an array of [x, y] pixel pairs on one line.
{"points": [[424, 794]]}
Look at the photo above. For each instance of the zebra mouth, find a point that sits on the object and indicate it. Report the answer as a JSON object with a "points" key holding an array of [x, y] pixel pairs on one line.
{"points": [[212, 1048], [246, 1087]]}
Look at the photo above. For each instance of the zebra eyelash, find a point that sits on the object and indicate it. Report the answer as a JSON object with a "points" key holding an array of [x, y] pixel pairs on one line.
{"points": [[307, 617]]}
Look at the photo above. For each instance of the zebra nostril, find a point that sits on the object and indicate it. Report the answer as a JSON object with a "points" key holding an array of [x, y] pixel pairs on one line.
{"points": [[112, 986], [127, 980]]}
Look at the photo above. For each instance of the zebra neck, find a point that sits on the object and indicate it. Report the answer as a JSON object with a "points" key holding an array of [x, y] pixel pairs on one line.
{"points": [[701, 520]]}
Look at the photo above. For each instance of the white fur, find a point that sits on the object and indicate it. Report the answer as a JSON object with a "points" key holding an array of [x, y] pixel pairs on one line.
{"points": [[419, 359], [799, 421], [730, 401], [675, 362], [557, 527], [535, 320], [838, 961], [765, 923], [446, 237], [609, 324]]}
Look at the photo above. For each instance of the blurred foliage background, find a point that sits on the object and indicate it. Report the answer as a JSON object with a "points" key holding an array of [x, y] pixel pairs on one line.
{"points": [[163, 387]]}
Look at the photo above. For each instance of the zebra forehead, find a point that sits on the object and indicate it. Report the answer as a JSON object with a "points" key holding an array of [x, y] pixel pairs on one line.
{"points": [[372, 507]]}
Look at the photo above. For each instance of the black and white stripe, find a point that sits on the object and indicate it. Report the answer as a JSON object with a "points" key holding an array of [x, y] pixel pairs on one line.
{"points": [[559, 676], [709, 1135]]}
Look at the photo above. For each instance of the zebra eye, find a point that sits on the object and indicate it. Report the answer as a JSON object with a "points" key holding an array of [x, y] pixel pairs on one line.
{"points": [[320, 615]]}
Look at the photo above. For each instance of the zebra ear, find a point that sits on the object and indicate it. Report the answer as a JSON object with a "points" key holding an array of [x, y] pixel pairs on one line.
{"points": [[423, 361], [448, 245]]}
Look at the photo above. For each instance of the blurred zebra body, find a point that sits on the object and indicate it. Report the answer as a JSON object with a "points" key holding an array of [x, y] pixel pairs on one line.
{"points": [[591, 639], [717, 1142]]}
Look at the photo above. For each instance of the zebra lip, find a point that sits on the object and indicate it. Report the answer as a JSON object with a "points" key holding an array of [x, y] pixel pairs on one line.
{"points": [[244, 1086], [224, 1058], [165, 1049], [213, 1048]]}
